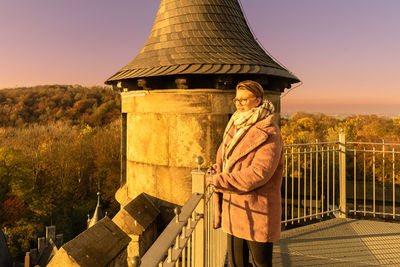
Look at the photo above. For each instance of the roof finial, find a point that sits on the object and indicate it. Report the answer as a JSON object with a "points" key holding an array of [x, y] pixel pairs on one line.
{"points": [[98, 212], [98, 193]]}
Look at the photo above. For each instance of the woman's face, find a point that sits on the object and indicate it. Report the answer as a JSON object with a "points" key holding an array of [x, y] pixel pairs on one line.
{"points": [[245, 100]]}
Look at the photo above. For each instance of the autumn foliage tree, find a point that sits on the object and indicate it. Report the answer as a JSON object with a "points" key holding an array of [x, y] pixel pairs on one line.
{"points": [[57, 144], [50, 103], [307, 128]]}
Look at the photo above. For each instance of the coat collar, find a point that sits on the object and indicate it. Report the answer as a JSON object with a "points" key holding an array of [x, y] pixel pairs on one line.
{"points": [[256, 135]]}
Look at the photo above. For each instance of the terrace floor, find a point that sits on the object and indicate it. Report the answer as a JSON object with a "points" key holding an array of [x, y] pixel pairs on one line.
{"points": [[340, 242]]}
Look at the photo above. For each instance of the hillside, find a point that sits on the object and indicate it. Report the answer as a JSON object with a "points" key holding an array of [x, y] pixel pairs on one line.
{"points": [[50, 103]]}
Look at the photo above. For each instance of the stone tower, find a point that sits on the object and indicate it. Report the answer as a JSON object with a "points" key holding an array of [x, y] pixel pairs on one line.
{"points": [[177, 93]]}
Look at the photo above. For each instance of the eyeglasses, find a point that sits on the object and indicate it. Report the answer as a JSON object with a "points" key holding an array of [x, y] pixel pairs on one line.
{"points": [[242, 101]]}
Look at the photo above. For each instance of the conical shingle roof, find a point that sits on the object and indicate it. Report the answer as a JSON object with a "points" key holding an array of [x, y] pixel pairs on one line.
{"points": [[201, 37]]}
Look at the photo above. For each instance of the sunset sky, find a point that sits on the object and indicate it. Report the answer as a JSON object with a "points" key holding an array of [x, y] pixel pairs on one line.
{"points": [[346, 52]]}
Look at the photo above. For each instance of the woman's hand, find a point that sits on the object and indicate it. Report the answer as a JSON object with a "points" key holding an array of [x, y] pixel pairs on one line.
{"points": [[209, 176], [209, 179]]}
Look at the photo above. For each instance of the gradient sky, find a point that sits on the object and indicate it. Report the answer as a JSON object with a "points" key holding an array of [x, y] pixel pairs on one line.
{"points": [[346, 52]]}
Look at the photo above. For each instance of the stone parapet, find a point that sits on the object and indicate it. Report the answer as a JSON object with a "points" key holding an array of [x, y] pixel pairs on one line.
{"points": [[100, 245]]}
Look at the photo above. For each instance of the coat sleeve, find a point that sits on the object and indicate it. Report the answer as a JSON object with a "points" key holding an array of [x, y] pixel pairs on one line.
{"points": [[266, 160], [218, 165], [218, 195]]}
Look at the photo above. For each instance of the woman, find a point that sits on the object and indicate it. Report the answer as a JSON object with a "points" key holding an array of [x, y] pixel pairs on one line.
{"points": [[247, 178]]}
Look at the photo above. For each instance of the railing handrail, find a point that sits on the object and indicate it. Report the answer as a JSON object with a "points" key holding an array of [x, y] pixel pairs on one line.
{"points": [[374, 143], [312, 144], [311, 151], [373, 151]]}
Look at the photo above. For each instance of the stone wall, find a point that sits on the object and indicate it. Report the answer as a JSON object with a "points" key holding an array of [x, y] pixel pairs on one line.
{"points": [[167, 130]]}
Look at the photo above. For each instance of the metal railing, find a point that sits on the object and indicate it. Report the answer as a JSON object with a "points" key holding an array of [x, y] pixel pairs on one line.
{"points": [[310, 181], [189, 239], [373, 179], [320, 179], [348, 178], [215, 241]]}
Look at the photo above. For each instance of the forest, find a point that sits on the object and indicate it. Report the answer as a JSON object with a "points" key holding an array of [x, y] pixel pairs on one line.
{"points": [[58, 144], [72, 104]]}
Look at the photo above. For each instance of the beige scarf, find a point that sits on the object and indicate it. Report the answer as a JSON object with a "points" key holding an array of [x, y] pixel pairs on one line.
{"points": [[242, 122]]}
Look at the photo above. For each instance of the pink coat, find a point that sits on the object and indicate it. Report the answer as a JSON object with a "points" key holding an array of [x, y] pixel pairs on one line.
{"points": [[250, 189]]}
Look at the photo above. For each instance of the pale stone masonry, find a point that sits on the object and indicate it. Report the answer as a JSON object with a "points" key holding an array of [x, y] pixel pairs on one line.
{"points": [[177, 93], [138, 220], [113, 242]]}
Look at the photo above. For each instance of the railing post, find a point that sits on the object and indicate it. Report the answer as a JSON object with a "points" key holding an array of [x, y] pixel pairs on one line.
{"points": [[342, 174], [198, 186]]}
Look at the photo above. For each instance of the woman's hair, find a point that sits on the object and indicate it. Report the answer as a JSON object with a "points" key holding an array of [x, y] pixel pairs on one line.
{"points": [[251, 86]]}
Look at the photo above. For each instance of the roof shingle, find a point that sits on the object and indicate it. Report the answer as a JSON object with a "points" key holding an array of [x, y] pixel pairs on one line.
{"points": [[201, 37]]}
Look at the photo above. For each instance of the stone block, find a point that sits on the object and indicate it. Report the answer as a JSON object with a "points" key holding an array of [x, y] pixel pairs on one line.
{"points": [[147, 138], [221, 102], [136, 216], [189, 136], [218, 124], [171, 184], [166, 101], [96, 246]]}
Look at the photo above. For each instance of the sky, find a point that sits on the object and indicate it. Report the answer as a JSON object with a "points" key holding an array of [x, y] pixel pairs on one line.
{"points": [[345, 52]]}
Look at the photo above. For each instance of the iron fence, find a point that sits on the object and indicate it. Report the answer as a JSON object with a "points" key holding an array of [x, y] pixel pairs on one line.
{"points": [[373, 179], [310, 181], [320, 180]]}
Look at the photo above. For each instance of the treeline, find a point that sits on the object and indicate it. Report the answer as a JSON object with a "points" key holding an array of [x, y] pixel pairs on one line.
{"points": [[73, 104], [307, 128]]}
